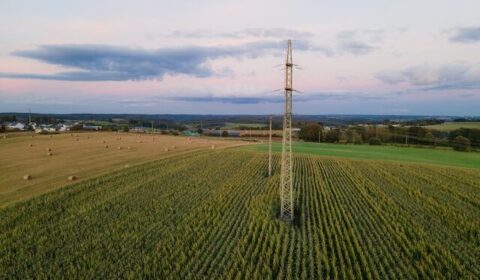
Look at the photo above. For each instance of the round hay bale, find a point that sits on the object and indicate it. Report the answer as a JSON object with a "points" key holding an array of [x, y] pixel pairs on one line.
{"points": [[49, 154], [49, 150], [27, 177], [106, 146], [72, 178], [126, 165], [138, 141], [103, 141], [129, 147], [119, 148], [173, 147], [30, 145], [166, 149], [76, 139]]}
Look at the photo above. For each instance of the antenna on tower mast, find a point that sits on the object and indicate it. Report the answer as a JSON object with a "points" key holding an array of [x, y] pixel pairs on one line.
{"points": [[286, 178]]}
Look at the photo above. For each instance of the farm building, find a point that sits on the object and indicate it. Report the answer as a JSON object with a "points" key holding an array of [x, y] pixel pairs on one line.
{"points": [[190, 133], [15, 126], [62, 127], [137, 129], [231, 133], [92, 127]]}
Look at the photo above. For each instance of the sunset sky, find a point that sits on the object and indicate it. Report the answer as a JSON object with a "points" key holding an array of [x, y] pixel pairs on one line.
{"points": [[222, 57]]}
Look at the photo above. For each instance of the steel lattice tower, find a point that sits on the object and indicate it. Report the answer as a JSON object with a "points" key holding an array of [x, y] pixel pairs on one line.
{"points": [[286, 179], [270, 150]]}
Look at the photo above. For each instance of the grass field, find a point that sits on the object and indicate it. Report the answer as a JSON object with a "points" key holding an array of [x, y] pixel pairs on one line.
{"points": [[449, 126], [405, 154], [212, 215], [85, 158]]}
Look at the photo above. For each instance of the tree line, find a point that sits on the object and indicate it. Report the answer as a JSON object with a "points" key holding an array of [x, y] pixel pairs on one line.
{"points": [[462, 139]]}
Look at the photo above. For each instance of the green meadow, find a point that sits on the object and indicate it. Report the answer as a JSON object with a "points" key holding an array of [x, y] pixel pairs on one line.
{"points": [[407, 154]]}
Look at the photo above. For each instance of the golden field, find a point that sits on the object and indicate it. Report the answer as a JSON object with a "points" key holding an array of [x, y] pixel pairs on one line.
{"points": [[51, 159]]}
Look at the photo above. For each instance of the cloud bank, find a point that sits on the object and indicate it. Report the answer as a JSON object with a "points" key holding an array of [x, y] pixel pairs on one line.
{"points": [[466, 35], [109, 63], [354, 42], [114, 63], [251, 99], [249, 32], [447, 76]]}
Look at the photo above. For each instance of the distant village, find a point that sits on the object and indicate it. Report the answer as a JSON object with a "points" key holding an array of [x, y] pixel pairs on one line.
{"points": [[191, 131], [45, 128], [18, 126]]}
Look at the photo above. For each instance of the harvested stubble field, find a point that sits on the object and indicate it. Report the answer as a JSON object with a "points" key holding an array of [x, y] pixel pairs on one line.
{"points": [[51, 159], [449, 126], [212, 215]]}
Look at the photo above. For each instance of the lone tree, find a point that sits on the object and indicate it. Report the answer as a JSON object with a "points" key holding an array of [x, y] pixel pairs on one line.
{"points": [[374, 141], [332, 135], [225, 133], [461, 144], [310, 132]]}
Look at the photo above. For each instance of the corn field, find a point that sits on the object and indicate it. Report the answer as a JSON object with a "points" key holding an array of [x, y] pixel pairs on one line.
{"points": [[213, 215]]}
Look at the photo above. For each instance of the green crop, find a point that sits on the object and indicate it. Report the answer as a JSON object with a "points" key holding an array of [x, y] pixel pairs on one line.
{"points": [[213, 215]]}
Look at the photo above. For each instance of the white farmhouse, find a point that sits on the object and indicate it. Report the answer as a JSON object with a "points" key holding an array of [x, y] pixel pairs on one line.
{"points": [[62, 127], [16, 126]]}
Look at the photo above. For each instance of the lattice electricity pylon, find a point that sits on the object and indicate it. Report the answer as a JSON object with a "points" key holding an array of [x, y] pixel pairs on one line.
{"points": [[270, 149], [286, 178]]}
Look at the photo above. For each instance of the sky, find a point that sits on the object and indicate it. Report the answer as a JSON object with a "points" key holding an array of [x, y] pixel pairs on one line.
{"points": [[225, 57]]}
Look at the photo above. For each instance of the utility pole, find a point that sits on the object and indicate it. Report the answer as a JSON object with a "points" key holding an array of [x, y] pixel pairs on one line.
{"points": [[319, 135], [270, 150], [286, 178], [29, 116], [152, 126]]}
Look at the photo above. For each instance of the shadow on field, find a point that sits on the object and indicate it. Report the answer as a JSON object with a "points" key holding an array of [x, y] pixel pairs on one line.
{"points": [[275, 213]]}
